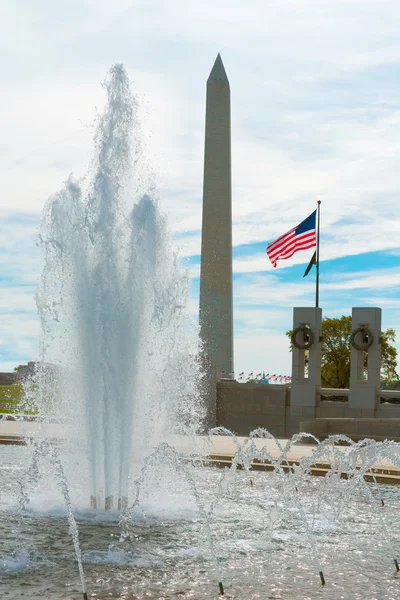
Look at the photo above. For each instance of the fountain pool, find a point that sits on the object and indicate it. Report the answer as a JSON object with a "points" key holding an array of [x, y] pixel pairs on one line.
{"points": [[261, 546]]}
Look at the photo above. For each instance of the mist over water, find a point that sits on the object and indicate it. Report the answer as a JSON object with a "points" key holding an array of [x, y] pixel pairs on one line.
{"points": [[112, 303]]}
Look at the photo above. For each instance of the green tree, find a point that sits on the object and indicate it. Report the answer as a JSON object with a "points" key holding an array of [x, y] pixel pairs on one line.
{"points": [[335, 359]]}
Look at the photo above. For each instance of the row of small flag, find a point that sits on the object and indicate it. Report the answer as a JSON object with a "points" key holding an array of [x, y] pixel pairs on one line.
{"points": [[271, 378]]}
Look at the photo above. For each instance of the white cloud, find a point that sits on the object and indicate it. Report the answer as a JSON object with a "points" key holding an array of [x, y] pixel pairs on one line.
{"points": [[258, 352], [21, 299], [18, 338], [315, 114], [382, 279]]}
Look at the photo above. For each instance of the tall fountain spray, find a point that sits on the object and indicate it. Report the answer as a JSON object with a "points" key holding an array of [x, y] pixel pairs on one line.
{"points": [[112, 300]]}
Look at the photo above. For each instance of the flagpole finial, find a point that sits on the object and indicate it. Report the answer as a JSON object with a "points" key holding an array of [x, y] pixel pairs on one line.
{"points": [[319, 201]]}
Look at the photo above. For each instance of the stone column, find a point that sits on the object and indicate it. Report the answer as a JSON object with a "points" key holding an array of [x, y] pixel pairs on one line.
{"points": [[216, 313], [306, 382], [365, 384]]}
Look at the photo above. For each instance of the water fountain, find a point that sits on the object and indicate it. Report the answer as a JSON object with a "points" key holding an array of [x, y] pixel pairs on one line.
{"points": [[112, 304], [147, 516]]}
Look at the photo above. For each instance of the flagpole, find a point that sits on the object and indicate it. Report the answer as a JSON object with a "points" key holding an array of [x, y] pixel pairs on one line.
{"points": [[317, 258]]}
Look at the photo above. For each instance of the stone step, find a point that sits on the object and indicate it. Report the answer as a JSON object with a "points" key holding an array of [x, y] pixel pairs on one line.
{"points": [[380, 475]]}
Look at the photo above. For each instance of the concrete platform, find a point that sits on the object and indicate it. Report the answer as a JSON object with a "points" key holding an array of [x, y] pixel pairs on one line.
{"points": [[378, 429], [16, 432], [219, 450]]}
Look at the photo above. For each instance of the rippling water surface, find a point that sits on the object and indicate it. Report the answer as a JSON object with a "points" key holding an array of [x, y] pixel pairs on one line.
{"points": [[269, 542]]}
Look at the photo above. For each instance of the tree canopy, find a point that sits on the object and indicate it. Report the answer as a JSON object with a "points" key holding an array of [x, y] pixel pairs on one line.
{"points": [[335, 358]]}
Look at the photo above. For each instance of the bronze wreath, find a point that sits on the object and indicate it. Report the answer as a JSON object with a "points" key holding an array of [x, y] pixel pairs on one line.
{"points": [[367, 333], [308, 338]]}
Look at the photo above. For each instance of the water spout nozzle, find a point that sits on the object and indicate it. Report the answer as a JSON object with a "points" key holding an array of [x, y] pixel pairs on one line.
{"points": [[108, 503], [85, 596], [221, 588], [122, 503], [396, 564], [321, 575]]}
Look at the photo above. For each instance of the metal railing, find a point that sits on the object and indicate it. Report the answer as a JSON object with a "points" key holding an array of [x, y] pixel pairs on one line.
{"points": [[389, 393], [334, 392], [341, 393]]}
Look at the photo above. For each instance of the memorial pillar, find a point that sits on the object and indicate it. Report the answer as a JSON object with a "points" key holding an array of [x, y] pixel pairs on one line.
{"points": [[365, 360]]}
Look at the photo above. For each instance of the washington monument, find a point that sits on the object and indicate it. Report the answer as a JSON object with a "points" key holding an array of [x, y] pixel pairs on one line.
{"points": [[216, 314]]}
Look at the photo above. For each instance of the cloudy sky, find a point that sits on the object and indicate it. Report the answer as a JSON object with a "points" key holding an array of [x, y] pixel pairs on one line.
{"points": [[315, 90]]}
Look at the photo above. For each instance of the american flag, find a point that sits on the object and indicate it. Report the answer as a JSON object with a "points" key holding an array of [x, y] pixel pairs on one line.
{"points": [[299, 238]]}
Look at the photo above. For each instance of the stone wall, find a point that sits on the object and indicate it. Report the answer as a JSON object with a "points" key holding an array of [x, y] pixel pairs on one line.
{"points": [[355, 428], [245, 407], [7, 378]]}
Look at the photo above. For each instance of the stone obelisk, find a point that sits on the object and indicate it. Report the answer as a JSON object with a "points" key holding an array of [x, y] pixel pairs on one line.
{"points": [[216, 314]]}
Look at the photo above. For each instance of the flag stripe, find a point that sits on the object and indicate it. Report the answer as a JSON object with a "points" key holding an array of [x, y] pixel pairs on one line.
{"points": [[294, 242], [301, 237], [297, 246], [291, 241], [277, 242]]}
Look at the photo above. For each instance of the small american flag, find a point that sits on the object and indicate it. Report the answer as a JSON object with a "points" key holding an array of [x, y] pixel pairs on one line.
{"points": [[301, 237], [241, 374]]}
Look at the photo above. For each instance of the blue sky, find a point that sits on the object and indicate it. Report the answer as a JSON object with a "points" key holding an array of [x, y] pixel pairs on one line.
{"points": [[315, 98]]}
